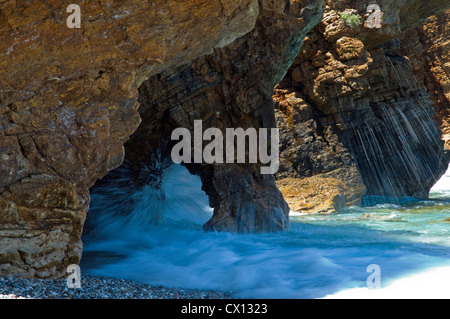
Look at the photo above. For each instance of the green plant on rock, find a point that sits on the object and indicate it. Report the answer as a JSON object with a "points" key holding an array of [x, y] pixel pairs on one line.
{"points": [[351, 20]]}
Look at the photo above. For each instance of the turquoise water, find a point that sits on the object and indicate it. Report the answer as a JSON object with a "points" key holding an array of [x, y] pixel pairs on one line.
{"points": [[319, 256]]}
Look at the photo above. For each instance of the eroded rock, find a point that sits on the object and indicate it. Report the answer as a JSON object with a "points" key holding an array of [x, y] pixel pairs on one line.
{"points": [[68, 103], [351, 104], [230, 88], [427, 48]]}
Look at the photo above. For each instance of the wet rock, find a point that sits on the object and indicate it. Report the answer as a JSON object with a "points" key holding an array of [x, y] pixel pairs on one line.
{"points": [[427, 48], [312, 154], [314, 195], [351, 103], [230, 88], [68, 104], [349, 48]]}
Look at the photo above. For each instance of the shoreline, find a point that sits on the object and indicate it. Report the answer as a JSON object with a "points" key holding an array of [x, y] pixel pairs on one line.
{"points": [[97, 287]]}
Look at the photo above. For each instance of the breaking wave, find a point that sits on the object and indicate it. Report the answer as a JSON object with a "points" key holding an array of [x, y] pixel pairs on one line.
{"points": [[161, 242]]}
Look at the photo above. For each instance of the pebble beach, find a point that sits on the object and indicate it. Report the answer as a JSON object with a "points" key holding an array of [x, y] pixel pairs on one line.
{"points": [[95, 287]]}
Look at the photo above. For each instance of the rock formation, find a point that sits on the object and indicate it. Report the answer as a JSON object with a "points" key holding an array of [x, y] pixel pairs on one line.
{"points": [[354, 119], [69, 103], [428, 49], [230, 88]]}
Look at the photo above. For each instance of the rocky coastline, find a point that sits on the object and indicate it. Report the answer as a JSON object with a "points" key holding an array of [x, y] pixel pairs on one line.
{"points": [[96, 287], [359, 112]]}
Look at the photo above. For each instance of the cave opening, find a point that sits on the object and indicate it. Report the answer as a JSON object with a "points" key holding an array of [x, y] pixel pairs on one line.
{"points": [[175, 200], [120, 212]]}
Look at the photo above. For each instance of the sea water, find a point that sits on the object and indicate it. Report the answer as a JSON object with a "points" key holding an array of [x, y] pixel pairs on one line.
{"points": [[161, 242]]}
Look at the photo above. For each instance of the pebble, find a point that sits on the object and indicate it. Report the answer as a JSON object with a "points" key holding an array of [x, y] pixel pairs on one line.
{"points": [[96, 287]]}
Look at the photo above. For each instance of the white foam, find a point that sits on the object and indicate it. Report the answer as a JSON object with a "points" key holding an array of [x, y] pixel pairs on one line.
{"points": [[293, 213], [443, 184], [163, 243], [430, 284]]}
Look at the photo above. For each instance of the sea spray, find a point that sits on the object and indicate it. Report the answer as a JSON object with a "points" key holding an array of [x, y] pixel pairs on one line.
{"points": [[319, 256]]}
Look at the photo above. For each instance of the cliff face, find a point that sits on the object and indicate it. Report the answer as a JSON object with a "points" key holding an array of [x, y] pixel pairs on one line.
{"points": [[428, 49], [230, 88], [69, 101], [71, 98], [355, 121]]}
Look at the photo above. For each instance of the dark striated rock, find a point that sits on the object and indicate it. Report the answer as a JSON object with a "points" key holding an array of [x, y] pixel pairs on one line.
{"points": [[230, 88], [351, 109], [428, 49], [311, 154], [68, 103]]}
